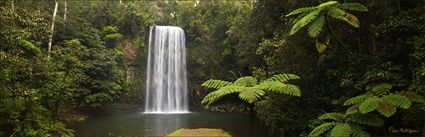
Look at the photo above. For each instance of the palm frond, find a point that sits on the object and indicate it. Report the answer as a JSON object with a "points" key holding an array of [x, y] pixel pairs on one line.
{"points": [[218, 94], [304, 21], [283, 77], [369, 105], [398, 100], [301, 10], [251, 95], [321, 129], [247, 81], [386, 109], [341, 130], [352, 7], [331, 116], [316, 26], [216, 84]]}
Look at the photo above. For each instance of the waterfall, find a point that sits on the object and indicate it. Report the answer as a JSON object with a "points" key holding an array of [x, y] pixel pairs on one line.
{"points": [[166, 81]]}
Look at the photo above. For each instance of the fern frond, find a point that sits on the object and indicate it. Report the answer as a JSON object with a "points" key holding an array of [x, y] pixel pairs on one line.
{"points": [[356, 100], [247, 81], [328, 4], [341, 130], [353, 109], [386, 109], [331, 116], [283, 77], [352, 7], [301, 10], [352, 20], [398, 100], [365, 119], [216, 84], [304, 21], [316, 26], [251, 95], [358, 131], [321, 129], [382, 88], [412, 96], [337, 13], [218, 94], [278, 87], [369, 105]]}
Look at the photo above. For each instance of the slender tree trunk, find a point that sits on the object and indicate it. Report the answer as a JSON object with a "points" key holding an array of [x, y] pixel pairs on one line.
{"points": [[13, 5], [64, 12], [49, 48]]}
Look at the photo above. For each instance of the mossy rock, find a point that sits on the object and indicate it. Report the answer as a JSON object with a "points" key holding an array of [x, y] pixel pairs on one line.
{"points": [[182, 132]]}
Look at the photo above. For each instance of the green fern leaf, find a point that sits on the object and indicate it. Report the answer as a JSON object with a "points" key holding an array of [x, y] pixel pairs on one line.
{"points": [[386, 109], [365, 119], [216, 84], [247, 81], [382, 88], [216, 95], [356, 100], [412, 96], [331, 116], [359, 132], [369, 105], [353, 109], [398, 100], [341, 130], [304, 21], [328, 4], [352, 20], [283, 77], [316, 26], [278, 87], [321, 129], [251, 95], [337, 14], [301, 10], [352, 7]]}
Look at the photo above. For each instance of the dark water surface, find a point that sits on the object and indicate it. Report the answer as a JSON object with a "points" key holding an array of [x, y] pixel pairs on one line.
{"points": [[140, 124]]}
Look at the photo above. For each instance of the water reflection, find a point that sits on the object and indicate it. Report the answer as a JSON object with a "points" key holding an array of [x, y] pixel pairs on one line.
{"points": [[140, 124]]}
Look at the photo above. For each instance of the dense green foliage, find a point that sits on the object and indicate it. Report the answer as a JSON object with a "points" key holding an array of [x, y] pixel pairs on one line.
{"points": [[368, 77]]}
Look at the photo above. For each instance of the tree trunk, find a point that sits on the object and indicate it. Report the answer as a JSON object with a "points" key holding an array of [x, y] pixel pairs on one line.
{"points": [[13, 6], [49, 48], [64, 12]]}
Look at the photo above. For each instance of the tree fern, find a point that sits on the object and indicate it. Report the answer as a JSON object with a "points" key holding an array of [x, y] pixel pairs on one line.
{"points": [[304, 21], [359, 132], [331, 116], [365, 119], [301, 10], [321, 129], [386, 109], [341, 130], [251, 95], [283, 77], [353, 7], [398, 100], [247, 81], [216, 84], [316, 26], [353, 109], [248, 88], [356, 100], [369, 105]]}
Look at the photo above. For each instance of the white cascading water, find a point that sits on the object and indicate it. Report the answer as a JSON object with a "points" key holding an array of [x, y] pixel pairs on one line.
{"points": [[166, 81]]}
